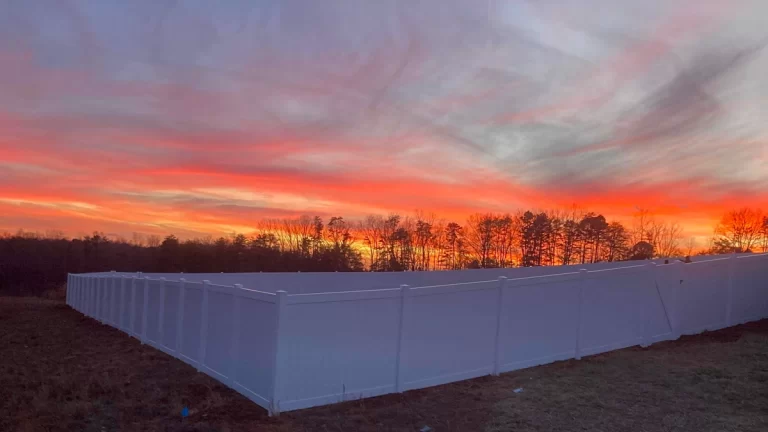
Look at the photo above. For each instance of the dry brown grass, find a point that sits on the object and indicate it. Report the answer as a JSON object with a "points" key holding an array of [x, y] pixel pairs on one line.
{"points": [[60, 371]]}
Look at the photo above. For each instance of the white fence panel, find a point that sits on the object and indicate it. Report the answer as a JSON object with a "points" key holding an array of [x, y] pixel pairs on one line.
{"points": [[114, 301], [337, 347], [218, 358], [125, 304], [191, 322], [91, 296], [137, 308], [614, 309], [256, 349], [171, 298], [703, 296], [750, 289], [659, 326], [539, 321], [449, 334], [153, 311], [669, 279], [104, 300], [98, 297]]}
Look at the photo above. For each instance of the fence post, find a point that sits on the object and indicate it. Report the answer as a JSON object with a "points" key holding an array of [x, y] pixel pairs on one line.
{"points": [[86, 295], [146, 310], [83, 291], [99, 292], [203, 328], [132, 311], [121, 304], [103, 300], [161, 313], [646, 341], [94, 296], [235, 346], [97, 309], [118, 292], [405, 292], [106, 297], [280, 303], [79, 293], [83, 294], [180, 317], [66, 293], [497, 338], [100, 299], [729, 302], [78, 283], [579, 313]]}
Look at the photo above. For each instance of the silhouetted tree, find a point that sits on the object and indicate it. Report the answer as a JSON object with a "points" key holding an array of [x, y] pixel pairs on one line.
{"points": [[641, 251]]}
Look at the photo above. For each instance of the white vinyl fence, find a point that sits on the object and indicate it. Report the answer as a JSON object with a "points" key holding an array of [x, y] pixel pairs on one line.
{"points": [[287, 352]]}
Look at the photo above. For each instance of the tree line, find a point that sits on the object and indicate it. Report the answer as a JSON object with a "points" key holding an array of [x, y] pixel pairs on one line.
{"points": [[31, 262]]}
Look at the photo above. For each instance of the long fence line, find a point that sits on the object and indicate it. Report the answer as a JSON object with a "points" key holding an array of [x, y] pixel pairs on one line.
{"points": [[287, 352]]}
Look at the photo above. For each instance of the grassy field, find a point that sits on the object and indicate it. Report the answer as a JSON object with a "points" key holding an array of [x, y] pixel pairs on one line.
{"points": [[60, 371]]}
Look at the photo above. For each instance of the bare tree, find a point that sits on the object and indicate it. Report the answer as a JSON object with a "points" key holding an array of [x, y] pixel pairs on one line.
{"points": [[741, 229], [642, 219], [480, 237], [154, 240], [665, 238], [765, 234], [454, 244], [690, 246], [371, 230], [137, 239]]}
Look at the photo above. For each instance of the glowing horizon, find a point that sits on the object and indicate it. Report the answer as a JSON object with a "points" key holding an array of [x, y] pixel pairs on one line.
{"points": [[192, 119]]}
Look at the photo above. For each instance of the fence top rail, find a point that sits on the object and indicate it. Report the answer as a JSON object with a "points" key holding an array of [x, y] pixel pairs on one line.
{"points": [[255, 294], [456, 284], [343, 296], [710, 260], [308, 295], [535, 280], [752, 255], [628, 269], [256, 291]]}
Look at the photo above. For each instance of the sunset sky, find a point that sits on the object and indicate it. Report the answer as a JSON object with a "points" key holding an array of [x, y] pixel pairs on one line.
{"points": [[199, 117]]}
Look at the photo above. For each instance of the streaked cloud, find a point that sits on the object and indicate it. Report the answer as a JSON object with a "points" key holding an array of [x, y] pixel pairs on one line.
{"points": [[190, 117]]}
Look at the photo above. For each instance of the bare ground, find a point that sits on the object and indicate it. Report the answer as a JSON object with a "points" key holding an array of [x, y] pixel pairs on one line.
{"points": [[60, 371]]}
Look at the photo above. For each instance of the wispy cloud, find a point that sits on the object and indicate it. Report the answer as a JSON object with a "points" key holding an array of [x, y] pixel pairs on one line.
{"points": [[195, 117]]}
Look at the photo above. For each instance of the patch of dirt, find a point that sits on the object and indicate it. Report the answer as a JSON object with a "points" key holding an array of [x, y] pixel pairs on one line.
{"points": [[60, 371]]}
